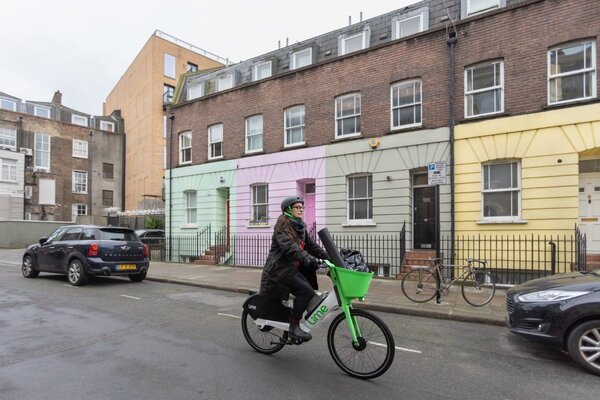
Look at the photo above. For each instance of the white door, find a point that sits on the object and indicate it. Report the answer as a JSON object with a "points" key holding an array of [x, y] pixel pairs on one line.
{"points": [[589, 210]]}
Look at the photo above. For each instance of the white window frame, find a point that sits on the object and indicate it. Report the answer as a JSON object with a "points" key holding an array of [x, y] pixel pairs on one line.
{"points": [[484, 191], [256, 204], [190, 66], [251, 135], [104, 125], [468, 10], [38, 109], [224, 82], [40, 149], [184, 147], [8, 170], [8, 137], [170, 66], [416, 103], [297, 54], [79, 120], [344, 49], [398, 25], [80, 182], [4, 102], [350, 198], [80, 148], [78, 209], [28, 192], [213, 129], [191, 207], [496, 87], [195, 91], [255, 68], [340, 99], [557, 77], [288, 129]]}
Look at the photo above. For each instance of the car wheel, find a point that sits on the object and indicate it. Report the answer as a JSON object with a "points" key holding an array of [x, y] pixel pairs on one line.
{"points": [[137, 277], [584, 345], [28, 268], [76, 274]]}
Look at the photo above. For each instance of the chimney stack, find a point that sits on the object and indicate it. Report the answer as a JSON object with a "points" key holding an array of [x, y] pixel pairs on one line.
{"points": [[57, 99]]}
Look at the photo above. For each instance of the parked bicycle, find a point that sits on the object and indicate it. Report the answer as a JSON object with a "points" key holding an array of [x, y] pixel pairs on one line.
{"points": [[359, 342], [423, 282]]}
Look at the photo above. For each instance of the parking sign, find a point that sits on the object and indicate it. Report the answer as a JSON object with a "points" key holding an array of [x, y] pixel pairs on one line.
{"points": [[436, 173]]}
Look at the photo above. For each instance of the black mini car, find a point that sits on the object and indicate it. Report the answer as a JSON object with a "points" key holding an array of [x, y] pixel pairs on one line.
{"points": [[81, 251], [564, 309]]}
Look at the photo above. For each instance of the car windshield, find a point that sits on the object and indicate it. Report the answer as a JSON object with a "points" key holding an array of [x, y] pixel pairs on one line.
{"points": [[118, 234]]}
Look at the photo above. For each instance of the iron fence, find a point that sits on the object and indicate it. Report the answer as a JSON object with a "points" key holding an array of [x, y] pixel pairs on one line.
{"points": [[514, 259]]}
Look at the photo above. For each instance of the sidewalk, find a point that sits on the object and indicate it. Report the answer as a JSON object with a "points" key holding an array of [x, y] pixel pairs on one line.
{"points": [[384, 294]]}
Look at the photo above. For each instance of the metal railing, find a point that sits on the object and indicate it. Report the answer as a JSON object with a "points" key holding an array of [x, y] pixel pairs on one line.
{"points": [[514, 259]]}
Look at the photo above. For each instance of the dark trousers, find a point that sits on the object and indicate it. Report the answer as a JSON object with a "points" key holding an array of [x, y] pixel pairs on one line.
{"points": [[303, 292]]}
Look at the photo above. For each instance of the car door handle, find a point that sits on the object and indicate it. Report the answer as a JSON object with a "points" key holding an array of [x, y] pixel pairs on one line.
{"points": [[69, 247], [51, 247]]}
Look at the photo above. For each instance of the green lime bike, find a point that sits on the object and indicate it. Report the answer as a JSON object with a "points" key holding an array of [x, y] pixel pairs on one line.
{"points": [[359, 342]]}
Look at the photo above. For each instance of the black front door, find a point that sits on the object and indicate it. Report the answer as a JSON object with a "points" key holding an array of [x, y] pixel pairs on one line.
{"points": [[424, 217]]}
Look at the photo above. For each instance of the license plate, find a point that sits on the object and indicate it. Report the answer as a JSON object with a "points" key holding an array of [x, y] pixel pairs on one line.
{"points": [[126, 267]]}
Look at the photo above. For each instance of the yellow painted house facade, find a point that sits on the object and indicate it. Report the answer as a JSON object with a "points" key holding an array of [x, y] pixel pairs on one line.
{"points": [[541, 169]]}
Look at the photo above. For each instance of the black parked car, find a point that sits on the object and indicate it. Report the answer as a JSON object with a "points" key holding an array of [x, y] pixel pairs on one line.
{"points": [[150, 233], [564, 309], [81, 251]]}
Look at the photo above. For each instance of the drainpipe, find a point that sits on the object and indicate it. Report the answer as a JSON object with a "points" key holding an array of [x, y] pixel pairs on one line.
{"points": [[171, 118], [19, 145], [452, 39], [90, 176]]}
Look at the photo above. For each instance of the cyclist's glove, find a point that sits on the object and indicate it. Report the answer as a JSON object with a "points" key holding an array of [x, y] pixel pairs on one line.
{"points": [[319, 263]]}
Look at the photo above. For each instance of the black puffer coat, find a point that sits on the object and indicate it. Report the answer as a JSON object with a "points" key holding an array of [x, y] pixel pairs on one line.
{"points": [[286, 258]]}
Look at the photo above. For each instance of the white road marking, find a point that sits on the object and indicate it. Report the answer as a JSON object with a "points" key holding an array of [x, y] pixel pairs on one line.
{"points": [[228, 315], [131, 297], [71, 286], [397, 348]]}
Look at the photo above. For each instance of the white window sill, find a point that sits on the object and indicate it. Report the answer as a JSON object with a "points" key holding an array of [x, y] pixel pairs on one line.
{"points": [[84, 157], [9, 181], [253, 151], [40, 169], [263, 225], [502, 221], [190, 226], [215, 158], [79, 192], [475, 116], [185, 163], [359, 223], [401, 127], [350, 135], [287, 146]]}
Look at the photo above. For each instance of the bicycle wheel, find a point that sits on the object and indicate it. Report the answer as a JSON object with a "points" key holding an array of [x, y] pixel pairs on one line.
{"points": [[478, 288], [375, 351], [266, 340], [419, 285]]}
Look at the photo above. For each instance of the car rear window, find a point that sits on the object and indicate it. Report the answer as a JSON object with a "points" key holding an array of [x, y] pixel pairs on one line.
{"points": [[118, 234]]}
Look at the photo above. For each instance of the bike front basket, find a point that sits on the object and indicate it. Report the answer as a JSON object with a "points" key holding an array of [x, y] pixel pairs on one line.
{"points": [[351, 284]]}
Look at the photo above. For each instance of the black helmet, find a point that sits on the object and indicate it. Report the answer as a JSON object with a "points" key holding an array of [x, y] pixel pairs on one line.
{"points": [[288, 201]]}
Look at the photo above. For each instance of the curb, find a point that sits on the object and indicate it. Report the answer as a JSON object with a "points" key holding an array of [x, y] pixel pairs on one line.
{"points": [[367, 306]]}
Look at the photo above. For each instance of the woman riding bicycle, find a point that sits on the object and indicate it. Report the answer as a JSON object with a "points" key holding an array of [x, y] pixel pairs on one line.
{"points": [[292, 262]]}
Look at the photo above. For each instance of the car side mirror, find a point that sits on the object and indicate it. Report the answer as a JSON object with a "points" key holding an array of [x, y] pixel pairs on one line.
{"points": [[43, 240]]}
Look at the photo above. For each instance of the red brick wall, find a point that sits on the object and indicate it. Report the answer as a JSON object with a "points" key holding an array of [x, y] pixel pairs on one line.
{"points": [[520, 36]]}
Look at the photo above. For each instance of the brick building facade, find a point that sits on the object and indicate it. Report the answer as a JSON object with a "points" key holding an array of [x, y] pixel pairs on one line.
{"points": [[72, 160]]}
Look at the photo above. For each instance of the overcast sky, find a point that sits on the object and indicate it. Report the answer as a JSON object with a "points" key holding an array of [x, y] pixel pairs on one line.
{"points": [[82, 47]]}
